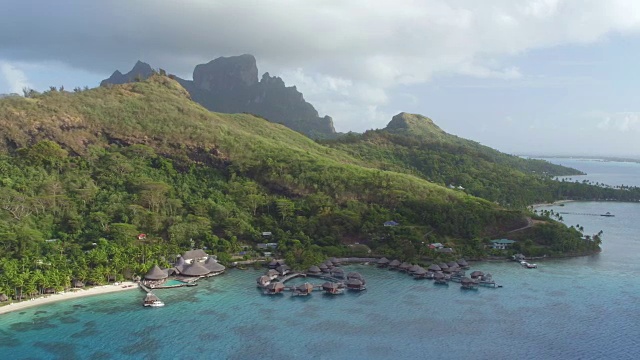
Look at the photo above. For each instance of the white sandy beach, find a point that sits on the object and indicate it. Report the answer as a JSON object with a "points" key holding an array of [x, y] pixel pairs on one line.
{"points": [[98, 290], [551, 204]]}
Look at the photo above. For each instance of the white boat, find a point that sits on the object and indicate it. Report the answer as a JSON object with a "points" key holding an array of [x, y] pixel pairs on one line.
{"points": [[151, 300], [528, 265]]}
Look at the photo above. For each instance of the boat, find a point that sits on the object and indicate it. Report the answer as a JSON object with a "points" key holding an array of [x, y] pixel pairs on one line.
{"points": [[151, 300], [528, 265], [608, 214]]}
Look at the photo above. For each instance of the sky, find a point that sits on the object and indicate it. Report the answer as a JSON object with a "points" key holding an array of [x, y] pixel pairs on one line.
{"points": [[538, 77]]}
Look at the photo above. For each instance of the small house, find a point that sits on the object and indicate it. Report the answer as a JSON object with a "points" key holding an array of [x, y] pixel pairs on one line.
{"points": [[501, 244], [391, 223]]}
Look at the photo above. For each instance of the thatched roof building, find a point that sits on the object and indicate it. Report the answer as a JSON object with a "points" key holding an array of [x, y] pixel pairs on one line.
{"points": [[4, 297], [77, 283], [452, 264], [275, 287], [335, 261], [197, 255], [443, 266], [213, 266], [462, 263], [383, 261], [314, 270], [194, 269], [150, 297], [154, 274], [283, 269], [337, 273], [476, 274], [263, 280], [414, 268], [355, 284], [304, 289], [434, 268], [394, 263], [404, 266], [420, 271], [438, 276]]}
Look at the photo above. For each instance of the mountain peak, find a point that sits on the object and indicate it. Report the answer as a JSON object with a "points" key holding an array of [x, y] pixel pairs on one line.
{"points": [[140, 69], [415, 124]]}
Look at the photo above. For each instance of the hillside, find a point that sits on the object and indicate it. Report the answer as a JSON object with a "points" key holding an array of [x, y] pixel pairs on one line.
{"points": [[231, 85], [415, 144]]}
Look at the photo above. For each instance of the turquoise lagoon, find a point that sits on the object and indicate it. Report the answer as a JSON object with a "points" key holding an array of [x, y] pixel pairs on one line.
{"points": [[578, 308]]}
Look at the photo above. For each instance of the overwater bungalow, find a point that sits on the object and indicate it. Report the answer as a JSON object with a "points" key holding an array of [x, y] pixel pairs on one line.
{"points": [[357, 276], [214, 267], [323, 267], [275, 263], [477, 274], [404, 266], [263, 281], [194, 269], [273, 274], [335, 261], [274, 288], [151, 300], [331, 288], [179, 264], [394, 264], [453, 264], [443, 266], [337, 273], [434, 268], [303, 290], [382, 263], [441, 279], [314, 270], [329, 264], [420, 273], [283, 270], [355, 284], [463, 263], [413, 269], [468, 284]]}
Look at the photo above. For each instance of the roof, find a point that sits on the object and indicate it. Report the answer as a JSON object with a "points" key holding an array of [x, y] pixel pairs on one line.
{"points": [[275, 286], [420, 271], [213, 266], [305, 287], [354, 275], [394, 263], [4, 297], [329, 285], [503, 241], [314, 269], [151, 297], [337, 271], [391, 223], [477, 273], [194, 254], [195, 269], [272, 272], [156, 274], [443, 266], [180, 261], [434, 267], [383, 260], [354, 282]]}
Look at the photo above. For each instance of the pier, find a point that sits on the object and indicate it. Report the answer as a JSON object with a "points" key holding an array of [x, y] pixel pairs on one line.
{"points": [[584, 214]]}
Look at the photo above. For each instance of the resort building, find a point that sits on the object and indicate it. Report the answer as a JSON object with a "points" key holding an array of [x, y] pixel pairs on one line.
{"points": [[156, 274], [214, 267], [501, 244], [194, 269], [194, 255]]}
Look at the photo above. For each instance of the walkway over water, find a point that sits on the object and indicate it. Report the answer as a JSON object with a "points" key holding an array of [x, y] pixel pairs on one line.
{"points": [[585, 214]]}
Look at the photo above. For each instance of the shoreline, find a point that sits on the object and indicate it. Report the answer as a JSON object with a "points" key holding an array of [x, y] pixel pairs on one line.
{"points": [[533, 206], [98, 290]]}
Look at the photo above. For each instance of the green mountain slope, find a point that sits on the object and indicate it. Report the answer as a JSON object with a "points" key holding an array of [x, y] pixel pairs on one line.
{"points": [[414, 144]]}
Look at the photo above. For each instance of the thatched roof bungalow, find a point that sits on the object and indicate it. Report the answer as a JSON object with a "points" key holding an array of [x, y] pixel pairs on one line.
{"points": [[335, 261], [477, 274], [394, 264], [452, 264], [355, 284], [314, 270], [404, 266], [304, 289], [283, 270], [194, 269], [337, 273], [154, 274], [420, 273], [383, 262], [443, 266], [467, 283], [463, 263], [274, 288], [194, 255], [413, 268], [263, 281], [214, 266], [77, 284], [331, 287], [434, 268], [4, 297]]}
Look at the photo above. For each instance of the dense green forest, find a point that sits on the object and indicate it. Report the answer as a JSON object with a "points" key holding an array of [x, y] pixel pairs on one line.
{"points": [[414, 144], [83, 174]]}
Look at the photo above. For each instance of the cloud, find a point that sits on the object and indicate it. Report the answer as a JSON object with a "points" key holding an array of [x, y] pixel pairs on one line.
{"points": [[14, 77], [348, 53], [621, 122]]}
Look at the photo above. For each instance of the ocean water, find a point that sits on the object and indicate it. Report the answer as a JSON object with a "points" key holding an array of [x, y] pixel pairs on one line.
{"points": [[612, 173], [577, 308]]}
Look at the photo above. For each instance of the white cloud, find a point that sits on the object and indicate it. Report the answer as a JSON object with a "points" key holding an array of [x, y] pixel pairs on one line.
{"points": [[620, 122], [14, 77]]}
